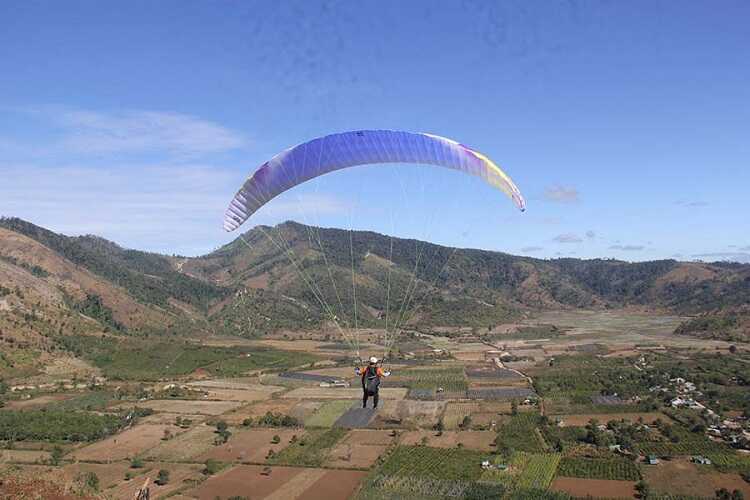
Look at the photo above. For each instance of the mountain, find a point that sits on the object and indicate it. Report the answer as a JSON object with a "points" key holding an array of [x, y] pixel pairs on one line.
{"points": [[294, 276]]}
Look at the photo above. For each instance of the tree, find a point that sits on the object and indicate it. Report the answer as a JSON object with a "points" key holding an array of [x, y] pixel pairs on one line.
{"points": [[276, 439], [211, 467], [738, 495], [56, 455], [221, 426], [466, 422], [643, 489], [91, 481], [514, 407], [723, 494], [733, 349], [162, 477], [136, 463]]}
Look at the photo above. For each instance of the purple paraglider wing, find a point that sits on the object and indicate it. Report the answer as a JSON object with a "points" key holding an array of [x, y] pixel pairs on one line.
{"points": [[348, 149]]}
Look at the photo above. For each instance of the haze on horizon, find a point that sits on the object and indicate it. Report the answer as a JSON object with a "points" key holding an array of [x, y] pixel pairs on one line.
{"points": [[624, 124]]}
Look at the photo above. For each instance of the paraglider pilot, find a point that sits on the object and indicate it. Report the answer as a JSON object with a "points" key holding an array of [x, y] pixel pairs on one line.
{"points": [[371, 375]]}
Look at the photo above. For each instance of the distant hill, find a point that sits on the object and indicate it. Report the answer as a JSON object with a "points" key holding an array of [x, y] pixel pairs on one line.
{"points": [[294, 276]]}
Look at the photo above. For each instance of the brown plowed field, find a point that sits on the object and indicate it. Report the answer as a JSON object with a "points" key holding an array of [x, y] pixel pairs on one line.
{"points": [[109, 474], [251, 445], [188, 406], [186, 446], [679, 476], [597, 488], [178, 473], [473, 440], [127, 444], [287, 483]]}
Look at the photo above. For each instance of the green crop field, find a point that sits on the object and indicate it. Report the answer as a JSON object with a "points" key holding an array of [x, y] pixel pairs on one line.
{"points": [[689, 444], [729, 461], [451, 379], [525, 471], [327, 414], [420, 472], [138, 359], [539, 471], [439, 463], [310, 450], [93, 400], [521, 433], [595, 468]]}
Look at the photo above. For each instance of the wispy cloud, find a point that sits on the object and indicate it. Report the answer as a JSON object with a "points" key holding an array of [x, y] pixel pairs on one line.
{"points": [[165, 133], [567, 238], [627, 248], [692, 204], [561, 194], [145, 131], [170, 209], [531, 249]]}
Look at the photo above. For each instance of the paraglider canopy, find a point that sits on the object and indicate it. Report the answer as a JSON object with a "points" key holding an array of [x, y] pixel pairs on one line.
{"points": [[348, 149]]}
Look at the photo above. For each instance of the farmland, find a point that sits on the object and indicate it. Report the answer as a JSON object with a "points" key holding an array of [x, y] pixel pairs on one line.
{"points": [[218, 427], [588, 468], [326, 415], [521, 433], [311, 449]]}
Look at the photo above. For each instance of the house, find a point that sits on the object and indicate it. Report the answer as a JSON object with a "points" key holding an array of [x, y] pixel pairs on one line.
{"points": [[700, 459], [652, 460]]}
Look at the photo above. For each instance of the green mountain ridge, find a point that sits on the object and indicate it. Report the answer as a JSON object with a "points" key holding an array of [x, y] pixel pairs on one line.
{"points": [[294, 276]]}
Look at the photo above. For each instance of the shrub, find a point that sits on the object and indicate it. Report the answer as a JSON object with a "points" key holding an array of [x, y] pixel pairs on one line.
{"points": [[162, 477]]}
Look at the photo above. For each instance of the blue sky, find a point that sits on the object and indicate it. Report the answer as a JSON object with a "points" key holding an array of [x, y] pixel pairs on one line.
{"points": [[625, 124]]}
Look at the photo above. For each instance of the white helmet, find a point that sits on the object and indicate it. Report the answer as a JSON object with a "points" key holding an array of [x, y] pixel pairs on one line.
{"points": [[373, 360]]}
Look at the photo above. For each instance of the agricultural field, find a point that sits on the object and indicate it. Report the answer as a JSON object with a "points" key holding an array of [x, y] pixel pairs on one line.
{"points": [[453, 464], [538, 471], [419, 444], [689, 444], [326, 415], [729, 461], [360, 449], [593, 488], [598, 468], [449, 379], [187, 407], [521, 433], [185, 446], [310, 450], [139, 359], [278, 483], [127, 444], [455, 412], [471, 440], [681, 477], [251, 445]]}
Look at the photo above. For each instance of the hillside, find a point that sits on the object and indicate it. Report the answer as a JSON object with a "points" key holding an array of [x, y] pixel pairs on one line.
{"points": [[452, 286], [295, 276]]}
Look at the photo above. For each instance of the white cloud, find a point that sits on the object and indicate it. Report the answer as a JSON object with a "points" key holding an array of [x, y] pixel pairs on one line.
{"points": [[561, 194], [135, 132], [692, 204], [170, 209], [145, 131], [627, 248], [567, 238]]}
